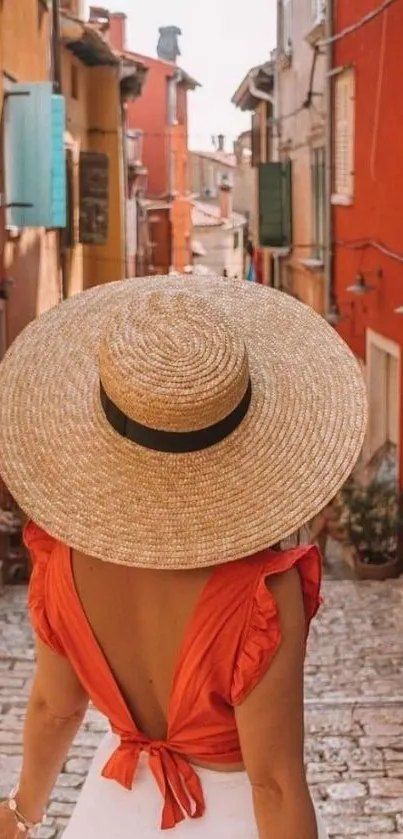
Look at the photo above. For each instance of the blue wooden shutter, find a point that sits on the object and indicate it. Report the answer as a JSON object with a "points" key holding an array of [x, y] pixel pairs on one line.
{"points": [[58, 166], [34, 156], [275, 205]]}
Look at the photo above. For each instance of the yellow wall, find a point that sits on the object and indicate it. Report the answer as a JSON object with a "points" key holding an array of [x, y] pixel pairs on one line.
{"points": [[76, 141], [94, 124], [104, 117], [29, 260]]}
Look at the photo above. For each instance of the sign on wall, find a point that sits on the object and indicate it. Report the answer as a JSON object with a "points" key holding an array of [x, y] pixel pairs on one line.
{"points": [[94, 198]]}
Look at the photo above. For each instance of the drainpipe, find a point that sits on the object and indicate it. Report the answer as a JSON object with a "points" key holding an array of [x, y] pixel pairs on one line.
{"points": [[277, 115], [125, 177], [57, 88], [259, 94], [328, 256]]}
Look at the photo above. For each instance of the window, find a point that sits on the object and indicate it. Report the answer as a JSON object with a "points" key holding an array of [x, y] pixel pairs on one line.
{"points": [[172, 102], [318, 11], [318, 202], [255, 139], [69, 235], [383, 359], [344, 134], [269, 130], [211, 180], [236, 240], [286, 27], [275, 205], [74, 82], [181, 104]]}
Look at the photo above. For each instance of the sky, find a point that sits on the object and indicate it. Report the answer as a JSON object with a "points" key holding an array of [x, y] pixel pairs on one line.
{"points": [[218, 45]]}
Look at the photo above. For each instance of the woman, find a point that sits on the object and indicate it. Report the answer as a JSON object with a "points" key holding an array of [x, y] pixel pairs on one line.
{"points": [[160, 436]]}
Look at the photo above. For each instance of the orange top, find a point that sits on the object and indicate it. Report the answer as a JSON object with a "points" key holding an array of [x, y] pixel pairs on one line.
{"points": [[233, 636]]}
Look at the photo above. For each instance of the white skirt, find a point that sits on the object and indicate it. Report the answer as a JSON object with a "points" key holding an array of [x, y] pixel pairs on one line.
{"points": [[106, 810]]}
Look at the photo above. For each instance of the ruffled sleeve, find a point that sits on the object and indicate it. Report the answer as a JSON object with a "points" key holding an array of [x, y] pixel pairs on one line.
{"points": [[262, 635], [40, 546]]}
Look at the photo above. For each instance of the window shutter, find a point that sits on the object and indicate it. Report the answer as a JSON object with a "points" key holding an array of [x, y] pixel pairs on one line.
{"points": [[94, 198], [58, 162], [344, 134], [34, 156], [275, 205], [70, 225]]}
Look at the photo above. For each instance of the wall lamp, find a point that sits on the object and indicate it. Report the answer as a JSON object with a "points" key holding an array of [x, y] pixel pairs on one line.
{"points": [[360, 285]]}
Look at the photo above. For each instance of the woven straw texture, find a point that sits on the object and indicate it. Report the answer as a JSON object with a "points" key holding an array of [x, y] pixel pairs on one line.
{"points": [[176, 354]]}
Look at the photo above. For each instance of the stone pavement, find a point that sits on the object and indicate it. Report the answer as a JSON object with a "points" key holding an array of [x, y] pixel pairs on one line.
{"points": [[354, 711]]}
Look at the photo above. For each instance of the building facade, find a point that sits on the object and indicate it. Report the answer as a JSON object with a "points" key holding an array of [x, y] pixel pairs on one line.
{"points": [[99, 82], [300, 141], [63, 220], [219, 235], [255, 95], [367, 210], [208, 168], [162, 116]]}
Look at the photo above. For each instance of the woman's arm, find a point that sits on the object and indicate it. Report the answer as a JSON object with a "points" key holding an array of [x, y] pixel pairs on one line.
{"points": [[271, 729], [56, 709]]}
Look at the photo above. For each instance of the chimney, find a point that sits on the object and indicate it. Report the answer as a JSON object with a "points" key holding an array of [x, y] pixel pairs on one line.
{"points": [[221, 142], [168, 46], [117, 30], [225, 198]]}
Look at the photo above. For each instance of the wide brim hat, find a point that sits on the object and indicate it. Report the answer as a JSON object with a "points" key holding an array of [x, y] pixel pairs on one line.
{"points": [[178, 423]]}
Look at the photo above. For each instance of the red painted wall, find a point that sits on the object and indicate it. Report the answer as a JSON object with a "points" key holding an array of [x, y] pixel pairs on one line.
{"points": [[377, 212], [376, 216], [150, 114]]}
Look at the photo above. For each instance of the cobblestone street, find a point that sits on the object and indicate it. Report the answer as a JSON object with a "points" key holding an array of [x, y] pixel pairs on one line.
{"points": [[354, 710]]}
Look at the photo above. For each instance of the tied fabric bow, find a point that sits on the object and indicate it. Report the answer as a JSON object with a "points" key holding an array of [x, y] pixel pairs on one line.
{"points": [[177, 780]]}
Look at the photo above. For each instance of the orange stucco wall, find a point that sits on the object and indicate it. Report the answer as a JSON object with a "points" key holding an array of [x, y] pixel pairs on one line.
{"points": [[29, 261]]}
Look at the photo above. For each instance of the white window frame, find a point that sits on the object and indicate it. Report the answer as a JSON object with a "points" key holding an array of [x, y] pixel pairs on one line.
{"points": [[344, 136], [318, 164], [286, 27], [172, 105], [318, 11], [379, 420]]}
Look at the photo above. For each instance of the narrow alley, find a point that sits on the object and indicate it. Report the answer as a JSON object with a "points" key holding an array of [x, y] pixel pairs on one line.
{"points": [[354, 710]]}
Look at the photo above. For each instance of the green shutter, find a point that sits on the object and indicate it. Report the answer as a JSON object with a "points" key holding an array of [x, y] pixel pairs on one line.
{"points": [[275, 205]]}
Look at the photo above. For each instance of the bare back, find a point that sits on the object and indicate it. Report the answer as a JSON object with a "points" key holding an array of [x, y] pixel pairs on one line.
{"points": [[140, 618]]}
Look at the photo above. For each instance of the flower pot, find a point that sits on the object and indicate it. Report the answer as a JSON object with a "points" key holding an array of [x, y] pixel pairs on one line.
{"points": [[388, 570]]}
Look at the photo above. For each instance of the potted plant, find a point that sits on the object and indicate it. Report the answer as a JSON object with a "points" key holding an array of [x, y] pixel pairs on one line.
{"points": [[372, 517]]}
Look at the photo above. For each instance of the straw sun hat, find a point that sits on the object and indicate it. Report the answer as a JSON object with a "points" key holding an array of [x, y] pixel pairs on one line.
{"points": [[176, 422]]}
